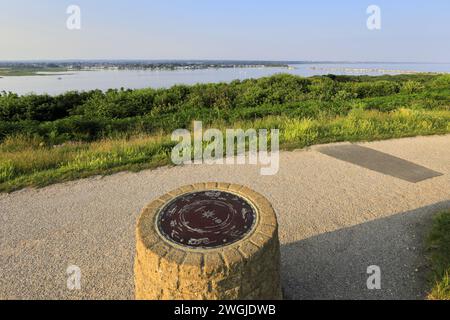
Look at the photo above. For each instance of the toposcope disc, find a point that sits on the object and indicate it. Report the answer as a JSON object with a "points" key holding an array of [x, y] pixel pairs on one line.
{"points": [[206, 219]]}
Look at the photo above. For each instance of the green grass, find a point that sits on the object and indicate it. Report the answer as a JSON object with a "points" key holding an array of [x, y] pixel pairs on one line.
{"points": [[21, 72], [26, 161], [46, 139], [439, 249]]}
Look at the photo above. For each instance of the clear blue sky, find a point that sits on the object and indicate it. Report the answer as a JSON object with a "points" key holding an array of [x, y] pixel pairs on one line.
{"points": [[412, 30]]}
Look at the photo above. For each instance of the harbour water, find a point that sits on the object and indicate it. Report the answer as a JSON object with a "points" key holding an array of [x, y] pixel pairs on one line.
{"points": [[135, 79]]}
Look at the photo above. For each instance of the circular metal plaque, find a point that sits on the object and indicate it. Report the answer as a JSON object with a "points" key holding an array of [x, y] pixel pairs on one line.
{"points": [[206, 219]]}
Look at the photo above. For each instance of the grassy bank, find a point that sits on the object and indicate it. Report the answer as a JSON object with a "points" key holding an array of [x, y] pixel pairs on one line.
{"points": [[46, 139], [439, 248], [31, 162]]}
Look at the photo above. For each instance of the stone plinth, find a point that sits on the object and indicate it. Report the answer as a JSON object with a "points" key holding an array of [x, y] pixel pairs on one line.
{"points": [[208, 241]]}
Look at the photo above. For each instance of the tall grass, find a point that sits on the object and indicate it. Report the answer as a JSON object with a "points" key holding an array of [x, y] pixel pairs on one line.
{"points": [[29, 161], [439, 249]]}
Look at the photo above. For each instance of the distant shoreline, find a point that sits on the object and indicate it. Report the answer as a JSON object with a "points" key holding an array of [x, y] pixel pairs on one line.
{"points": [[18, 69], [15, 69], [56, 79], [373, 70]]}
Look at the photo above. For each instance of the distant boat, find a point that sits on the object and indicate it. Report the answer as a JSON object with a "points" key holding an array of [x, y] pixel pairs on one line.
{"points": [[59, 78]]}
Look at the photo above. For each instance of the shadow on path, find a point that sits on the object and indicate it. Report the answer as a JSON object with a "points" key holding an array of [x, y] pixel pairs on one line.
{"points": [[380, 162], [334, 265]]}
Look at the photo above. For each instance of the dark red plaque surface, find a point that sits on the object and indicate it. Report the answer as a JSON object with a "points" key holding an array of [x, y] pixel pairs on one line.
{"points": [[206, 219]]}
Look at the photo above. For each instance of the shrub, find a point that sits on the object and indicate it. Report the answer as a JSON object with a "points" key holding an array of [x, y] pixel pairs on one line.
{"points": [[373, 89], [93, 115], [412, 87]]}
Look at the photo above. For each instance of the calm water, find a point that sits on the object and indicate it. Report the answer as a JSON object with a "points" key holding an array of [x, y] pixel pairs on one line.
{"points": [[89, 80]]}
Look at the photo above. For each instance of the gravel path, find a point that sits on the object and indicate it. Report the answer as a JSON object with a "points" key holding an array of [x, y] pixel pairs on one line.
{"points": [[336, 219]]}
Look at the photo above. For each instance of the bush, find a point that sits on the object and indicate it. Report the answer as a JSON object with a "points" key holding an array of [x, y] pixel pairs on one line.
{"points": [[93, 115], [411, 87], [373, 89], [39, 107]]}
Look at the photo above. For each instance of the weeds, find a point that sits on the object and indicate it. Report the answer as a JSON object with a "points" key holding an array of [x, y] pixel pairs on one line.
{"points": [[29, 162], [439, 249]]}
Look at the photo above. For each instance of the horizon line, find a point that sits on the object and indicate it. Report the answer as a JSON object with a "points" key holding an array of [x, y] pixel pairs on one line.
{"points": [[214, 60]]}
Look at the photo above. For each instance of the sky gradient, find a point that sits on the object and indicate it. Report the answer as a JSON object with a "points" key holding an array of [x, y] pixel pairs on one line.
{"points": [[412, 30]]}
